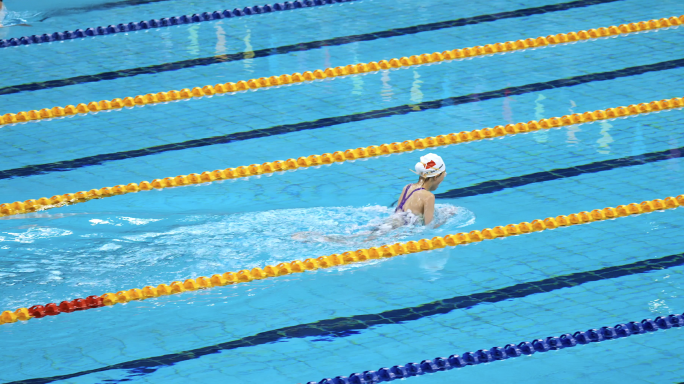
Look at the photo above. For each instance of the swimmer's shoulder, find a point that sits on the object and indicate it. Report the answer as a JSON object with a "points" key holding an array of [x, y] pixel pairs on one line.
{"points": [[426, 194]]}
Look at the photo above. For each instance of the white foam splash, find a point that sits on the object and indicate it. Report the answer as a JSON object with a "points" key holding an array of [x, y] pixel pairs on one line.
{"points": [[109, 247], [182, 246], [135, 221], [98, 221], [34, 233]]}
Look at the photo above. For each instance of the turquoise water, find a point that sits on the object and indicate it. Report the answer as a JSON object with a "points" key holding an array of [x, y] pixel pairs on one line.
{"points": [[266, 331]]}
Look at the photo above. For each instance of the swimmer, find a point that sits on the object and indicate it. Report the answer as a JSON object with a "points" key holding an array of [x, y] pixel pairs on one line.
{"points": [[3, 12], [12, 21], [416, 206], [417, 199]]}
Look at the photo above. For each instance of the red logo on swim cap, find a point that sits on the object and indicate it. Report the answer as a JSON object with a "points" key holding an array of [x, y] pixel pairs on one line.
{"points": [[430, 164]]}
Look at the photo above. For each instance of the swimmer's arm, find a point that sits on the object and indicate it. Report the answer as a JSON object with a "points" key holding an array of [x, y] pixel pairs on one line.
{"points": [[429, 208]]}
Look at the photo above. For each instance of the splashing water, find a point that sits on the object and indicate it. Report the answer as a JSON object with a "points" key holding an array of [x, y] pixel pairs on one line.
{"points": [[12, 18], [68, 257], [375, 224]]}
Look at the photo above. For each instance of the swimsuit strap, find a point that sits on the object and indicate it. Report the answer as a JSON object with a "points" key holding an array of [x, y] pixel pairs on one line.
{"points": [[405, 198], [406, 189]]}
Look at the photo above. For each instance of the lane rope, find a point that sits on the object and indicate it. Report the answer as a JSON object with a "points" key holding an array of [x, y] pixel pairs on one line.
{"points": [[525, 348], [44, 203], [164, 22], [349, 257], [332, 73]]}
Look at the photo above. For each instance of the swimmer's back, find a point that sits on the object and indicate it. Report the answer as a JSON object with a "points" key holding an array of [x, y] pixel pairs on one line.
{"points": [[416, 199]]}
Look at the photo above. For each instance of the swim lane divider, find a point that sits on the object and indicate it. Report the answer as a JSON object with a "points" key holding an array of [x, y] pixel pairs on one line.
{"points": [[332, 73], [164, 22], [323, 262], [508, 351], [56, 201]]}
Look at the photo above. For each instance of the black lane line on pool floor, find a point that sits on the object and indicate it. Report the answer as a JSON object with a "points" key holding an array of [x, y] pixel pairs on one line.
{"points": [[68, 165], [104, 6], [337, 41], [492, 186], [88, 8], [169, 22], [351, 325]]}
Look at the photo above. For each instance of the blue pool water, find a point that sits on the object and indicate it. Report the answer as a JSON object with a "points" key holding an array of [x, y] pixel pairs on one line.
{"points": [[353, 318]]}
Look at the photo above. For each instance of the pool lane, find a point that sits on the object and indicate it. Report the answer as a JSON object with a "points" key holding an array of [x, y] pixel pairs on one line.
{"points": [[500, 31], [61, 166], [492, 186], [528, 308], [187, 42], [297, 47], [77, 133], [270, 203], [166, 327], [561, 154]]}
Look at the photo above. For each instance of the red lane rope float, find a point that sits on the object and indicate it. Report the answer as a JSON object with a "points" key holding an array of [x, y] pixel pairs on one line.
{"points": [[44, 203], [349, 257], [351, 69]]}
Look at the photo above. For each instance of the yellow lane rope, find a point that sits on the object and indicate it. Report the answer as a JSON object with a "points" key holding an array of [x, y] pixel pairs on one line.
{"points": [[362, 255], [56, 201], [319, 74]]}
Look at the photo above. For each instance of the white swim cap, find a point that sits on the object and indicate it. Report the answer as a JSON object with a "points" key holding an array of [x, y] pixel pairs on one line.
{"points": [[430, 165]]}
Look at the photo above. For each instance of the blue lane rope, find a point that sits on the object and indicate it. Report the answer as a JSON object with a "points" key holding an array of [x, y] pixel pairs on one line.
{"points": [[508, 351], [165, 22]]}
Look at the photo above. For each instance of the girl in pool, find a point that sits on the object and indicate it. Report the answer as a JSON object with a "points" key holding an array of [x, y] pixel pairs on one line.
{"points": [[3, 12], [417, 203], [416, 206], [10, 21]]}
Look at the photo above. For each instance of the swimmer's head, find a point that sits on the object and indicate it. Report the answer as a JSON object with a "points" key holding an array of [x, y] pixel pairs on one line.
{"points": [[431, 169]]}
